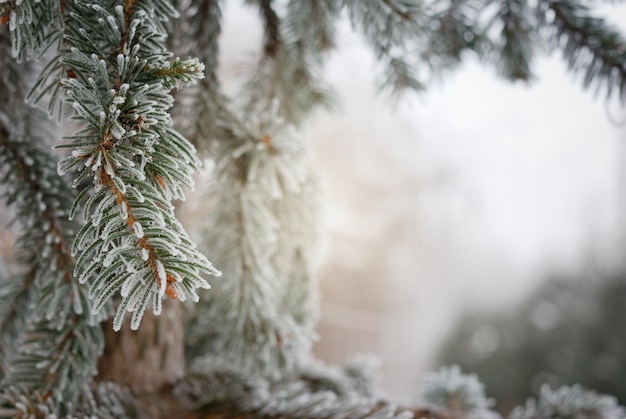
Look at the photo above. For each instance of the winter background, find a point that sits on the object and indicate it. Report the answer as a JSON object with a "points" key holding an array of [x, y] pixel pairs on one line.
{"points": [[460, 199]]}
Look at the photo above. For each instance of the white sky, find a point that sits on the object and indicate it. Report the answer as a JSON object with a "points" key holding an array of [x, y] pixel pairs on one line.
{"points": [[537, 166]]}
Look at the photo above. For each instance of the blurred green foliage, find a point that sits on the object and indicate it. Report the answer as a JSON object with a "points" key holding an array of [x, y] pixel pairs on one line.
{"points": [[570, 330]]}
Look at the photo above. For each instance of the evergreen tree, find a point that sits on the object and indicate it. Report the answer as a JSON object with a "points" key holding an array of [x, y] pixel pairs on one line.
{"points": [[98, 234], [568, 331]]}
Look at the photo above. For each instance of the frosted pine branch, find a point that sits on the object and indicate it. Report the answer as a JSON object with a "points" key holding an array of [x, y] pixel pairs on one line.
{"points": [[47, 316], [221, 390], [449, 392], [131, 240], [256, 329], [570, 402]]}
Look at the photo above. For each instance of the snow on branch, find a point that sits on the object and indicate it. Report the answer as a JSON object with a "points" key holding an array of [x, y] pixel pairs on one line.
{"points": [[119, 84]]}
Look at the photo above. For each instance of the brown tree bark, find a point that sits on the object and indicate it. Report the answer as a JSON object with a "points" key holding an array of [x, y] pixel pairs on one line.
{"points": [[147, 360]]}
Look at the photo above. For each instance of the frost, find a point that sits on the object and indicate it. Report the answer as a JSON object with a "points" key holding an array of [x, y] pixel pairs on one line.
{"points": [[128, 285], [162, 277], [157, 305], [28, 161], [569, 402], [136, 320], [89, 161], [124, 210], [108, 259], [13, 24], [121, 186], [161, 272], [117, 100], [109, 170], [43, 364], [76, 182], [116, 129], [449, 384], [97, 163], [177, 276], [138, 229], [101, 209], [53, 265], [62, 167], [145, 255]]}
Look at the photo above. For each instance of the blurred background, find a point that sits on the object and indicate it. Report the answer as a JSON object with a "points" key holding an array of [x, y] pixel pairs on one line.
{"points": [[480, 223]]}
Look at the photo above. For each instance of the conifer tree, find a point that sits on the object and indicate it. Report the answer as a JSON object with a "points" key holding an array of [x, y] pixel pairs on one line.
{"points": [[97, 232]]}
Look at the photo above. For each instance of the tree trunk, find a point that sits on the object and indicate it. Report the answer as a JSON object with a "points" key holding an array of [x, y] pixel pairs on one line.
{"points": [[146, 360]]}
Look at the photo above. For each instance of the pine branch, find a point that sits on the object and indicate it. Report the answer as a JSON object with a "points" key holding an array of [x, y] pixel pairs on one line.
{"points": [[569, 402], [312, 22], [456, 31], [105, 400], [203, 112], [289, 81], [200, 20], [131, 240], [297, 259], [391, 27], [208, 118], [253, 175], [62, 341], [221, 390], [517, 36], [16, 297], [387, 24], [259, 179], [57, 361], [455, 395], [46, 301], [42, 244], [397, 9], [20, 403], [30, 23], [271, 25], [589, 44]]}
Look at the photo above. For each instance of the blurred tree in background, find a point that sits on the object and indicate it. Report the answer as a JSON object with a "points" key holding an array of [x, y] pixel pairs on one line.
{"points": [[570, 330], [97, 231]]}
